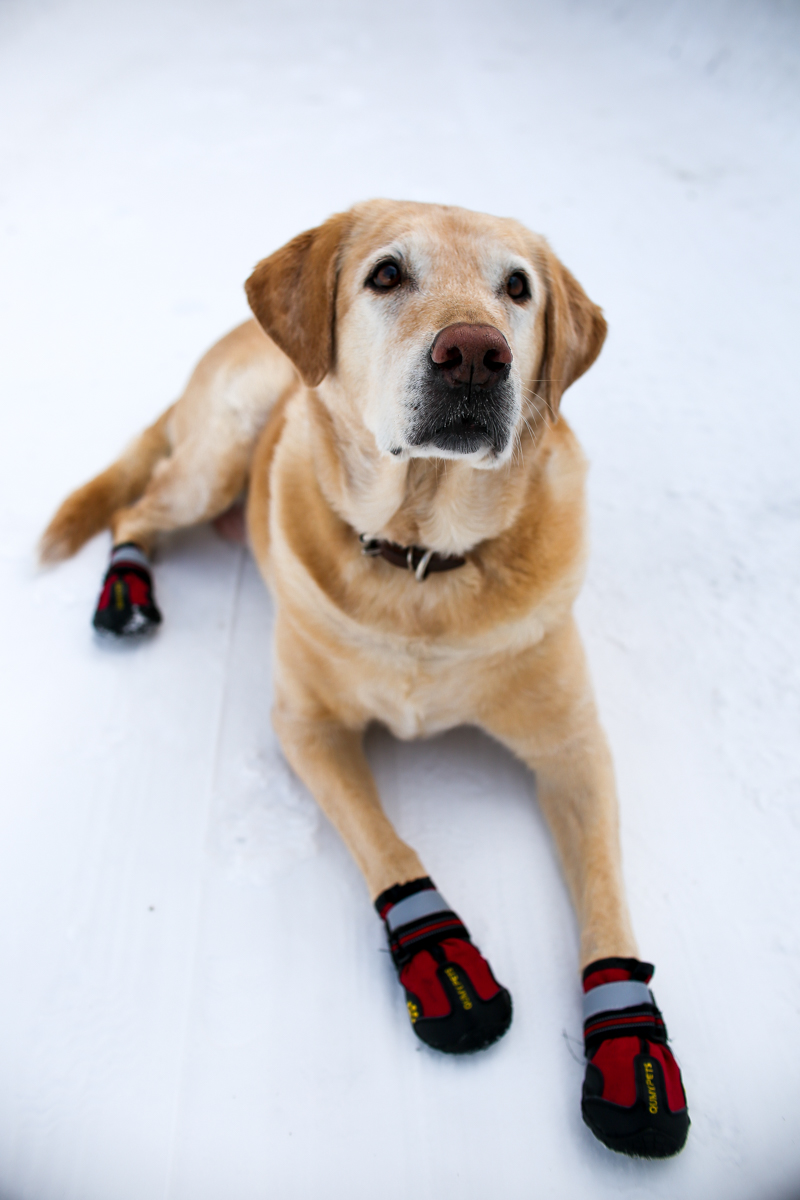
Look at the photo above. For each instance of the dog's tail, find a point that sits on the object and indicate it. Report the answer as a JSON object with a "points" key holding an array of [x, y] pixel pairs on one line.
{"points": [[91, 507]]}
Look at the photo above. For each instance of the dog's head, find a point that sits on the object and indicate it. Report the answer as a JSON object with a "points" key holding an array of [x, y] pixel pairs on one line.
{"points": [[445, 329]]}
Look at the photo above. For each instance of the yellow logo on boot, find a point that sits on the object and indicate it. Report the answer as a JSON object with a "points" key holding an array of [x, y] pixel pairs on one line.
{"points": [[651, 1090], [461, 991]]}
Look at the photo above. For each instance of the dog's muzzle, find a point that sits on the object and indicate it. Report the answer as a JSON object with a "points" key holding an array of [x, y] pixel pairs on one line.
{"points": [[465, 400]]}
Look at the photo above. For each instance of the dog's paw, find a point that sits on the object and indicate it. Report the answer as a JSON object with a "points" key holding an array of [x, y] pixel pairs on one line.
{"points": [[633, 1098], [126, 607], [455, 1003]]}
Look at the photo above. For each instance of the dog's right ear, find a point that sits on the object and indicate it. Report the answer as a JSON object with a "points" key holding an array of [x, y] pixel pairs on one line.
{"points": [[293, 294]]}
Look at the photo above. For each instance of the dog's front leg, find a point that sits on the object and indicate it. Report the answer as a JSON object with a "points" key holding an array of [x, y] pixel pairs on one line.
{"points": [[330, 760], [454, 1001], [546, 714], [633, 1098]]}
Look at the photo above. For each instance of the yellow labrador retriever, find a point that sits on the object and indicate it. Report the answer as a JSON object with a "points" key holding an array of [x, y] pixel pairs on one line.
{"points": [[416, 504]]}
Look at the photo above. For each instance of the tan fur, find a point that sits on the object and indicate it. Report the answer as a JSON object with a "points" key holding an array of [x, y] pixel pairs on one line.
{"points": [[193, 463], [493, 643], [91, 507]]}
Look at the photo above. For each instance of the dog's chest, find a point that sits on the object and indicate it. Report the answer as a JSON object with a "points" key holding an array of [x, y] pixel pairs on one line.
{"points": [[417, 698]]}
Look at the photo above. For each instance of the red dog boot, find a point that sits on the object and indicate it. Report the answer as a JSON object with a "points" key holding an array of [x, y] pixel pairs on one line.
{"points": [[633, 1097], [126, 607], [455, 1003]]}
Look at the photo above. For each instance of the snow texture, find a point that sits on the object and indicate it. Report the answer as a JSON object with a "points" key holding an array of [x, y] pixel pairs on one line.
{"points": [[196, 1002]]}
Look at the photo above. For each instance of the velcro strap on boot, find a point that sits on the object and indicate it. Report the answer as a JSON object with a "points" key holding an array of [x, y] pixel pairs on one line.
{"points": [[622, 1009], [418, 921], [129, 554]]}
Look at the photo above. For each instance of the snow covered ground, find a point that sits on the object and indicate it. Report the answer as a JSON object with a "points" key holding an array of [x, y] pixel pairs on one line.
{"points": [[195, 999]]}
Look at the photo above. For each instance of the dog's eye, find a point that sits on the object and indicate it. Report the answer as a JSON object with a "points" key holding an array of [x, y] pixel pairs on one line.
{"points": [[385, 276], [518, 287]]}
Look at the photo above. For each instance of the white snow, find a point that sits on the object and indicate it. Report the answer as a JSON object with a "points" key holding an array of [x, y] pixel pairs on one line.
{"points": [[194, 998]]}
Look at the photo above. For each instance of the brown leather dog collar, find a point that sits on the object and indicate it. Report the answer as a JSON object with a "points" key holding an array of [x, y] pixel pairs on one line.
{"points": [[411, 558]]}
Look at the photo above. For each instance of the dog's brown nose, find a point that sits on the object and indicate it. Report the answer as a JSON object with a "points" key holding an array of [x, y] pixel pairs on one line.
{"points": [[477, 354]]}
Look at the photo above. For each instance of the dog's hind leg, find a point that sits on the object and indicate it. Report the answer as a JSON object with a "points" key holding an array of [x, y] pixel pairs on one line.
{"points": [[188, 488], [231, 396], [191, 486], [200, 470], [89, 509]]}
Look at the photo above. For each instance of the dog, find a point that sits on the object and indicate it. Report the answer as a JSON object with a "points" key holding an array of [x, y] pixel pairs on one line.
{"points": [[416, 505]]}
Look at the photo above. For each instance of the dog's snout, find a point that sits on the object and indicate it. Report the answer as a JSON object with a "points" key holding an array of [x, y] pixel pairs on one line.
{"points": [[471, 400], [467, 353]]}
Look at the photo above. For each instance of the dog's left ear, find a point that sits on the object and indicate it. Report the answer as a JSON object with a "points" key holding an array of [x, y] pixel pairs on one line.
{"points": [[293, 295], [574, 332]]}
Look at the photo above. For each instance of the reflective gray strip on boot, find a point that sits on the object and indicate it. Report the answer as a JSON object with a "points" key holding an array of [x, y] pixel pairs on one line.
{"points": [[609, 997], [131, 554], [421, 904]]}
